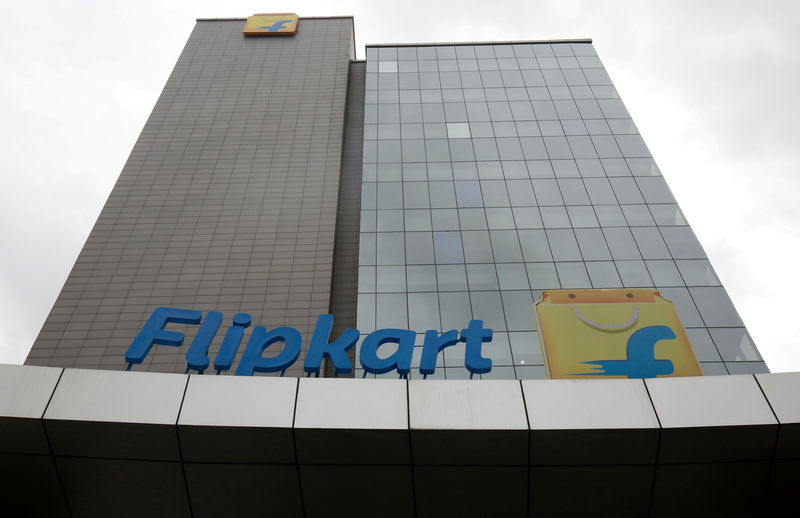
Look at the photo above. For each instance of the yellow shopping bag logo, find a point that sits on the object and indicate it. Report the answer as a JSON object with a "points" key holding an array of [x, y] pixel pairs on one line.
{"points": [[612, 333], [271, 24]]}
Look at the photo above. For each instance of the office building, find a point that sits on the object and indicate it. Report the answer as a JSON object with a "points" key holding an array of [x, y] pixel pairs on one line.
{"points": [[490, 172], [426, 187]]}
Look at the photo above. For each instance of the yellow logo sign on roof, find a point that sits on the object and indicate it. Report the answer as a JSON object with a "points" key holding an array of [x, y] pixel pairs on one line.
{"points": [[272, 24]]}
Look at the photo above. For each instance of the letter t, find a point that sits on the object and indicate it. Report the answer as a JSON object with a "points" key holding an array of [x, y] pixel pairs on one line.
{"points": [[474, 336]]}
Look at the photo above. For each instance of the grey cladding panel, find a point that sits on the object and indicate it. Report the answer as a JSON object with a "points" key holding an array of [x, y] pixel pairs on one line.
{"points": [[228, 200]]}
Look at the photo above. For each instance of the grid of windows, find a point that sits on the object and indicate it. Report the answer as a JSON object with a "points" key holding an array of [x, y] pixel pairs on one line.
{"points": [[492, 172]]}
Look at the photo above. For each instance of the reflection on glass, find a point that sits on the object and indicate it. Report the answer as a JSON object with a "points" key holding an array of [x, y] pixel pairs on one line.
{"points": [[458, 130], [493, 170], [448, 247]]}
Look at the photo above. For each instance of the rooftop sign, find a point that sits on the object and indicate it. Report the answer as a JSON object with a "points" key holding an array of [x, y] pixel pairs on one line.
{"points": [[275, 24], [153, 333]]}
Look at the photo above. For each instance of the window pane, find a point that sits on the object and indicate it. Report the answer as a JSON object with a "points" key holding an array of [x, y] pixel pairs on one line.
{"points": [[390, 220], [563, 245], [505, 245], [517, 307], [682, 243], [634, 274], [520, 193], [465, 171], [527, 217], [388, 151], [437, 150], [500, 354], [391, 249], [461, 151], [600, 191], [487, 306], [650, 243], [573, 275], [667, 214], [702, 345], [654, 189], [582, 217], [603, 274], [389, 172], [477, 247], [626, 190], [418, 219], [715, 307], [557, 147], [458, 130], [444, 219], [621, 243], [423, 311], [590, 168], [500, 218], [542, 276], [366, 279], [448, 247], [684, 305], [391, 311], [442, 194], [482, 277], [664, 273], [582, 147], [525, 349], [451, 277], [440, 171], [609, 216], [391, 278], [515, 169], [547, 192], [512, 276], [638, 215], [415, 172], [735, 344], [421, 278], [533, 148], [592, 244], [365, 320], [555, 217], [632, 146], [455, 311], [468, 194], [419, 248], [643, 167], [366, 249], [494, 193], [697, 273], [534, 246], [413, 150], [573, 191], [390, 195]]}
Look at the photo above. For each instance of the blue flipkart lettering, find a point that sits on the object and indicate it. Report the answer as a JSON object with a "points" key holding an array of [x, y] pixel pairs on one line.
{"points": [[320, 346]]}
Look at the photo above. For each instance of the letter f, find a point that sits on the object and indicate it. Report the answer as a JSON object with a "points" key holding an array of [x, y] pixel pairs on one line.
{"points": [[153, 331]]}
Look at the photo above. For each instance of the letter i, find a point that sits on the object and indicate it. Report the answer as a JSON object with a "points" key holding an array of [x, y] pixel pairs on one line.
{"points": [[230, 344]]}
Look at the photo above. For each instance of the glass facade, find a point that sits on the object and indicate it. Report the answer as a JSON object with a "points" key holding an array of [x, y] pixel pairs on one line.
{"points": [[493, 172]]}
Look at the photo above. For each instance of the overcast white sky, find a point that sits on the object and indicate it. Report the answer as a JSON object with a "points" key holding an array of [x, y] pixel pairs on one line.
{"points": [[712, 86]]}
